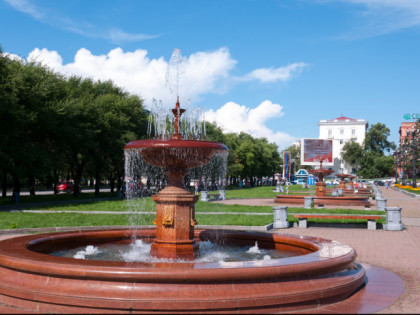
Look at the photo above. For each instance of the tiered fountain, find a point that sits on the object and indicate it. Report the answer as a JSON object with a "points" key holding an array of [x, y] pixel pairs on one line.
{"points": [[175, 214], [342, 177]]}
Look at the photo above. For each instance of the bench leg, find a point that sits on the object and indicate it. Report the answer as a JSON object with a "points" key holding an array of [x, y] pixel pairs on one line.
{"points": [[303, 223], [371, 225]]}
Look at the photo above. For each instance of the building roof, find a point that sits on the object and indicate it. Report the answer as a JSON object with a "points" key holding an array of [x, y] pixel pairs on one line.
{"points": [[342, 118]]}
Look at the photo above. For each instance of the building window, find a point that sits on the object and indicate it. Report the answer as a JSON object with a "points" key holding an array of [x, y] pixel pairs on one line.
{"points": [[341, 141], [341, 132], [329, 133]]}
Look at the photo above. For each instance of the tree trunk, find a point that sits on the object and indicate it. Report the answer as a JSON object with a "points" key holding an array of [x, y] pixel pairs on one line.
{"points": [[77, 180], [55, 180], [31, 185], [4, 185], [112, 182]]}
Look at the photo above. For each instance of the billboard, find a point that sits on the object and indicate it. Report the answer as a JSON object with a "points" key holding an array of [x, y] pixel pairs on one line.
{"points": [[315, 150]]}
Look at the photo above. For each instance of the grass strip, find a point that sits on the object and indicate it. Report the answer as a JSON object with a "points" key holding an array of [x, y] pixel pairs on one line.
{"points": [[54, 198], [265, 192], [290, 218]]}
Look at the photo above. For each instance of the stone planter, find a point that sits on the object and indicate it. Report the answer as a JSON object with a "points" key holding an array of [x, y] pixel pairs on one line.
{"points": [[393, 219], [280, 217]]}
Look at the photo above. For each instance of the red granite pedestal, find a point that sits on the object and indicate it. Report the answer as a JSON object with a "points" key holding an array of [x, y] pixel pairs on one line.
{"points": [[175, 221]]}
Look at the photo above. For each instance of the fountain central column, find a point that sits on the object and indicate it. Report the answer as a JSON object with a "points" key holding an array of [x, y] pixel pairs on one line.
{"points": [[175, 221], [320, 188]]}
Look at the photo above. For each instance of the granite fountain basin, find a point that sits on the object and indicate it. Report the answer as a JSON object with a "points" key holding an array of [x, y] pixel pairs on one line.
{"points": [[318, 272]]}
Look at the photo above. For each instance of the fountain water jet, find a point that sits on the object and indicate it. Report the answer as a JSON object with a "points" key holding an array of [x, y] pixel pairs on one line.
{"points": [[175, 213]]}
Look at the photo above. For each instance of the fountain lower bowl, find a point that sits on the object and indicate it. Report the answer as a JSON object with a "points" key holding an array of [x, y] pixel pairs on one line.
{"points": [[31, 280]]}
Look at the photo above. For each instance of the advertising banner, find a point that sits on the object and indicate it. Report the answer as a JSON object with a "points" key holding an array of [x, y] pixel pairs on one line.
{"points": [[315, 150]]}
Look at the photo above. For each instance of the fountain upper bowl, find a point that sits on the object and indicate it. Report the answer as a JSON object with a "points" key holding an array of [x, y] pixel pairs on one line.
{"points": [[176, 153]]}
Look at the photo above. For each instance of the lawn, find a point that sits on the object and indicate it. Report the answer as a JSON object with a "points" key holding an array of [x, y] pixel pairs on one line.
{"points": [[266, 192], [13, 220]]}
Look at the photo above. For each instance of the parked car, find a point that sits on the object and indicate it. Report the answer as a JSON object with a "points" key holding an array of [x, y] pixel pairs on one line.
{"points": [[65, 186]]}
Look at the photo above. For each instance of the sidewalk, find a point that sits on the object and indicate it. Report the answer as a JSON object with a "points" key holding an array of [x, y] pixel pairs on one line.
{"points": [[396, 251], [410, 213]]}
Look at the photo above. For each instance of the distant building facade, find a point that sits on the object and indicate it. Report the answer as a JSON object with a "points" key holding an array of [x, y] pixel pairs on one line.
{"points": [[405, 131], [406, 138], [342, 130]]}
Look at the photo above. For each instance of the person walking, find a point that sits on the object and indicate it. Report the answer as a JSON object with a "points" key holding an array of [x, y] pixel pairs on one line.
{"points": [[196, 186], [16, 192]]}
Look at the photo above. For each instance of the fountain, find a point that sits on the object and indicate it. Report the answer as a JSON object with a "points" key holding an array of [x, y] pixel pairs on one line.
{"points": [[342, 177], [311, 274], [315, 272], [321, 198], [350, 189], [175, 214], [320, 186]]}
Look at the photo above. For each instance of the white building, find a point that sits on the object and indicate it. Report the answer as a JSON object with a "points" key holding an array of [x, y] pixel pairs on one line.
{"points": [[342, 130]]}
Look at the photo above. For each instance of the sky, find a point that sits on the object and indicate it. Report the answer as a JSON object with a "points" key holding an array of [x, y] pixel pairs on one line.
{"points": [[271, 68]]}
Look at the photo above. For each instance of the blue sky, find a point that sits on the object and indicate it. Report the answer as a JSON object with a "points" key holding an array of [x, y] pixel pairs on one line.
{"points": [[270, 68]]}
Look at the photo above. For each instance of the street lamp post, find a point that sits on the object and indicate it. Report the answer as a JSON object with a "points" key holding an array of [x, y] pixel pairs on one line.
{"points": [[414, 147], [403, 165], [397, 160]]}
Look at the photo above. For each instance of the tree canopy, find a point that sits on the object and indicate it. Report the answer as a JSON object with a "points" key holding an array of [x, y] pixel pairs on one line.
{"points": [[60, 127], [369, 159]]}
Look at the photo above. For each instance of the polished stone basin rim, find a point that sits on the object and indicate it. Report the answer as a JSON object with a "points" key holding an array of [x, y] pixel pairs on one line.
{"points": [[14, 253]]}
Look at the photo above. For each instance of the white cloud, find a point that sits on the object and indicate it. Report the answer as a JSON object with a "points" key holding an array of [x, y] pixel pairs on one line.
{"points": [[12, 57], [383, 16], [141, 75], [119, 36], [26, 7], [54, 18], [203, 72], [276, 74], [236, 118]]}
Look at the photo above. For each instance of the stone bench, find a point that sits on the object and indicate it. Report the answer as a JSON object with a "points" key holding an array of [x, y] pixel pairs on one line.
{"points": [[371, 219], [205, 196], [213, 196]]}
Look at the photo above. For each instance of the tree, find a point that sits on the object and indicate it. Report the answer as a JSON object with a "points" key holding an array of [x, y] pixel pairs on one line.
{"points": [[375, 165], [376, 139], [370, 159], [29, 121], [353, 153], [7, 108]]}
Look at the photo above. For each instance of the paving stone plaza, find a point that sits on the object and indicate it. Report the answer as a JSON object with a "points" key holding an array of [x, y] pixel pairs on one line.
{"points": [[395, 251]]}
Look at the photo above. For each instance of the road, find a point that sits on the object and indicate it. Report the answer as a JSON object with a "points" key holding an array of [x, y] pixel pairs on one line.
{"points": [[51, 192]]}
